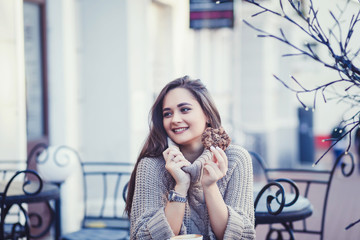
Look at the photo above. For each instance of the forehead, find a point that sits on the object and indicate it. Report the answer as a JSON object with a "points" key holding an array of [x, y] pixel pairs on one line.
{"points": [[178, 95]]}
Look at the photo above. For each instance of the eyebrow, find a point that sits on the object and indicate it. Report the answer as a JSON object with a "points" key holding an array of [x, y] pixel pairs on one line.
{"points": [[179, 105]]}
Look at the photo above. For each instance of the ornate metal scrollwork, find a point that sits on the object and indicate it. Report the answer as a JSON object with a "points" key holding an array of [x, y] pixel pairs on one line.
{"points": [[347, 169], [293, 188], [54, 163], [283, 201], [37, 222], [279, 195], [19, 229], [36, 151], [61, 155], [271, 197]]}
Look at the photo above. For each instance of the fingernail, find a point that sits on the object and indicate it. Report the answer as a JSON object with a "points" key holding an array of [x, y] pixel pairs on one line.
{"points": [[218, 148], [212, 148]]}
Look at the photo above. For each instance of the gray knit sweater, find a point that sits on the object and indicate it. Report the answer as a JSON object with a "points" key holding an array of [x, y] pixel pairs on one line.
{"points": [[153, 183]]}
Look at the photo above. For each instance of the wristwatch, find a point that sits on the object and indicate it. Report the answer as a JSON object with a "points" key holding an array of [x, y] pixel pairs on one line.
{"points": [[176, 197]]}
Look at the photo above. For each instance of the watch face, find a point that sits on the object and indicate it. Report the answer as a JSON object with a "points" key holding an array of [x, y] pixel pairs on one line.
{"points": [[171, 196]]}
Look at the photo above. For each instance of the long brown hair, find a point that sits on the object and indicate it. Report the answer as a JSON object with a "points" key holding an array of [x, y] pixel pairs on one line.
{"points": [[156, 141]]}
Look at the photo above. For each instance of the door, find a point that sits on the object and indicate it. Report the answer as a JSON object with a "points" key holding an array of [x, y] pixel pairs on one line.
{"points": [[36, 96], [35, 72]]}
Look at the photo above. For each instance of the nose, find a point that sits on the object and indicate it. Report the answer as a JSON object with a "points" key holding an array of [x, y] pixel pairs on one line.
{"points": [[176, 117]]}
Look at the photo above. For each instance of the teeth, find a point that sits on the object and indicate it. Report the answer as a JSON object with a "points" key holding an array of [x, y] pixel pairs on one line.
{"points": [[179, 129]]}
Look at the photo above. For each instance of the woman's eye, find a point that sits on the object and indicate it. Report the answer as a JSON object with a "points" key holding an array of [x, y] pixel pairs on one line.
{"points": [[166, 114], [185, 109]]}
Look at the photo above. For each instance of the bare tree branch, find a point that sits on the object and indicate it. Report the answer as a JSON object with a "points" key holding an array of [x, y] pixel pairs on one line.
{"points": [[342, 59]]}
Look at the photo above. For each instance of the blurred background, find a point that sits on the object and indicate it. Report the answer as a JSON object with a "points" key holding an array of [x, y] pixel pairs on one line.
{"points": [[84, 73]]}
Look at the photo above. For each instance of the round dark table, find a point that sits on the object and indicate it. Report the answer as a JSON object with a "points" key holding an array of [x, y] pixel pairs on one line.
{"points": [[16, 194]]}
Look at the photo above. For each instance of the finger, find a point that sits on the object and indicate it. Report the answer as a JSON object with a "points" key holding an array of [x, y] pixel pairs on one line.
{"points": [[222, 160], [166, 154], [215, 168], [178, 158], [171, 155], [175, 152], [222, 152], [183, 163], [216, 153], [209, 169]]}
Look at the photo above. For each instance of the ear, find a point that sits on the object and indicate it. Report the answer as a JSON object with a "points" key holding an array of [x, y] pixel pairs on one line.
{"points": [[208, 123]]}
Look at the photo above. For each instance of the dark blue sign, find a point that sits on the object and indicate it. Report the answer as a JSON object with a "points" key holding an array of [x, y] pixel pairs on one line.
{"points": [[210, 14]]}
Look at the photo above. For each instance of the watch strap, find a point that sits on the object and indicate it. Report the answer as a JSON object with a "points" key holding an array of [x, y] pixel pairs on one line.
{"points": [[176, 197]]}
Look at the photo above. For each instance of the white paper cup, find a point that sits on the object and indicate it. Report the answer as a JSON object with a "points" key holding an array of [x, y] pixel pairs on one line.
{"points": [[188, 237]]}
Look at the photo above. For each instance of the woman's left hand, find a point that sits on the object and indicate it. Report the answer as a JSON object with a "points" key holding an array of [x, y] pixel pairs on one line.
{"points": [[216, 168]]}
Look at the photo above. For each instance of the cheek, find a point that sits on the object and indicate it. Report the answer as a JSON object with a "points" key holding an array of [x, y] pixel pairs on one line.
{"points": [[202, 121], [166, 124], [200, 126]]}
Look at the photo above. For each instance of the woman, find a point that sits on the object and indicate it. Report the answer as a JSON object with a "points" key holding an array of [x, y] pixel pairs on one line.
{"points": [[162, 201]]}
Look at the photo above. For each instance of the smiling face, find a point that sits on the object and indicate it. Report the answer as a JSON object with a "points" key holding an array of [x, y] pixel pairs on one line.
{"points": [[183, 118]]}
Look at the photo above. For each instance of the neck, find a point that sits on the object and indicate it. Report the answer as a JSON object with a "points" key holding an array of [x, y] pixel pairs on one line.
{"points": [[192, 152]]}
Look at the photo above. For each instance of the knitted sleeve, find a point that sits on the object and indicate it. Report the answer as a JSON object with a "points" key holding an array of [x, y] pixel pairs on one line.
{"points": [[147, 218], [238, 195]]}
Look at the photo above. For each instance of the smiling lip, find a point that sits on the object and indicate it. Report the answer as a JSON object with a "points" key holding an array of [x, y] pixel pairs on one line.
{"points": [[180, 130]]}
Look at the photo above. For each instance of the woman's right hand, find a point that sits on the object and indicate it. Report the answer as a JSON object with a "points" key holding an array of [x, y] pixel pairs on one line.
{"points": [[175, 160]]}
